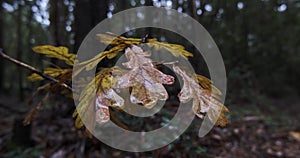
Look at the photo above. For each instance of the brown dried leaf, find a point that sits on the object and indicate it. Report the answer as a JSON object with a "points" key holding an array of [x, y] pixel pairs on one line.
{"points": [[146, 81], [39, 90], [204, 101], [103, 101], [102, 109], [30, 115]]}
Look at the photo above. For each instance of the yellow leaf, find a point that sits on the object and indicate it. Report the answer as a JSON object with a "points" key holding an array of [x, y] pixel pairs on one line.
{"points": [[115, 40], [109, 39], [175, 49], [104, 98], [207, 84], [53, 72], [74, 114], [106, 82], [90, 64], [78, 122], [35, 77], [56, 52]]}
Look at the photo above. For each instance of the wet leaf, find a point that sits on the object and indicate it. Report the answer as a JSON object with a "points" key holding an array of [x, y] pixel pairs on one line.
{"points": [[146, 81], [94, 102], [103, 102], [204, 102]]}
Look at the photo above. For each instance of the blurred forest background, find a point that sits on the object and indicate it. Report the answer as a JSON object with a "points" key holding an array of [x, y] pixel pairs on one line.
{"points": [[260, 44]]}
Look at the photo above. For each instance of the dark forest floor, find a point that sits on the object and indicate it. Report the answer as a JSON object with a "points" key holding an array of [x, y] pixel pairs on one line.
{"points": [[268, 129]]}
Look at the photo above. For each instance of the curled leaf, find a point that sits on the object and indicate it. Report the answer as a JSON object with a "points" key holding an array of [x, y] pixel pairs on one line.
{"points": [[94, 103], [102, 113], [106, 97], [146, 81], [204, 102]]}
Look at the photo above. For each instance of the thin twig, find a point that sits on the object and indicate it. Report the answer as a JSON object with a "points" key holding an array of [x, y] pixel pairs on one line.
{"points": [[145, 39], [35, 70]]}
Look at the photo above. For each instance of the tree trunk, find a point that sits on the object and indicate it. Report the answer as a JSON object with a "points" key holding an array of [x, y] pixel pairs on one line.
{"points": [[88, 13], [175, 4], [1, 46], [123, 5], [193, 12], [58, 22], [19, 50], [148, 30], [193, 9]]}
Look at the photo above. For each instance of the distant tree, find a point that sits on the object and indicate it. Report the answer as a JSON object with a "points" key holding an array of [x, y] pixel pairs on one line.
{"points": [[58, 17], [88, 13], [1, 43], [20, 35]]}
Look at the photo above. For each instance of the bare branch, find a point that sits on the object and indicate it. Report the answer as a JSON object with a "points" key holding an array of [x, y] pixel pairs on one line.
{"points": [[35, 70]]}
